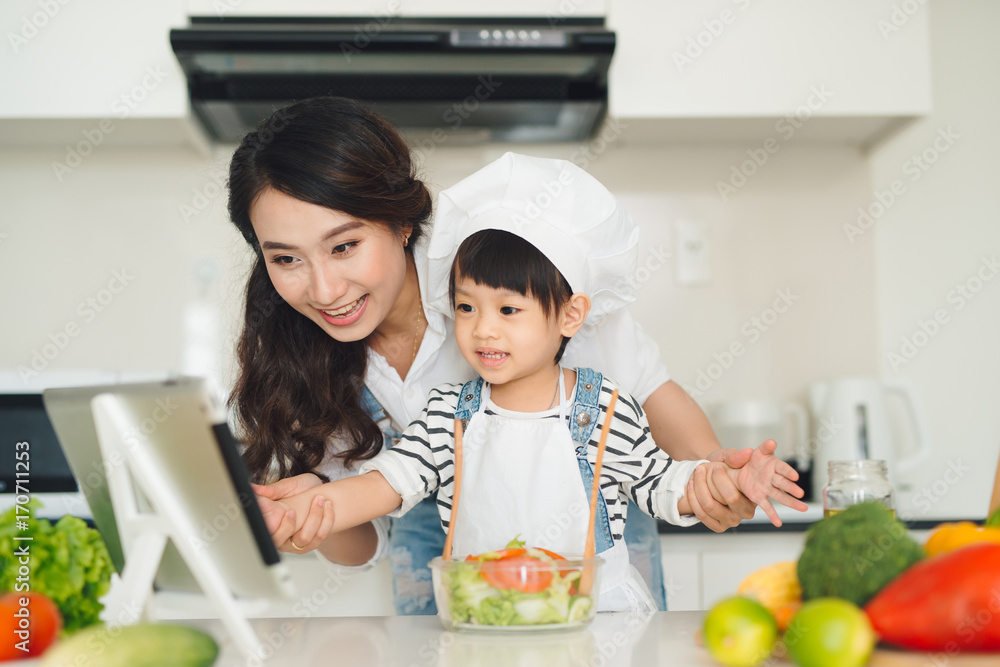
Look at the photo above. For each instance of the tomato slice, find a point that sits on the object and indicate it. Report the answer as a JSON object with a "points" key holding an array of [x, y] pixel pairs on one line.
{"points": [[519, 573], [516, 568], [497, 555]]}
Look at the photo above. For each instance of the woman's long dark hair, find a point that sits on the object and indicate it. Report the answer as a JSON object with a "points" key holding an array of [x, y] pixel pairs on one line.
{"points": [[297, 386]]}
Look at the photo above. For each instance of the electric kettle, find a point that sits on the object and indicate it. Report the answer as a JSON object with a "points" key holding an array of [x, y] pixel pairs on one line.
{"points": [[852, 421]]}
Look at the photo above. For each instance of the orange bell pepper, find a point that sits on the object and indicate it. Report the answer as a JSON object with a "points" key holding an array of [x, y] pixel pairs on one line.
{"points": [[950, 536]]}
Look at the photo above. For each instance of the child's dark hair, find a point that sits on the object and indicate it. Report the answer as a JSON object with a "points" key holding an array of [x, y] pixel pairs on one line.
{"points": [[501, 260]]}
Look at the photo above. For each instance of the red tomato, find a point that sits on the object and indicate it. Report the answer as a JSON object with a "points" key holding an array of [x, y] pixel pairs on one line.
{"points": [[520, 573], [516, 568], [497, 555], [33, 625]]}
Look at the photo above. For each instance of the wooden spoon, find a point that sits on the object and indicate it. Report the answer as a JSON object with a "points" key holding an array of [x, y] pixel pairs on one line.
{"points": [[587, 576], [458, 488]]}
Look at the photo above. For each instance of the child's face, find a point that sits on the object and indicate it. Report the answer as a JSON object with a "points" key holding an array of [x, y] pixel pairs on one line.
{"points": [[504, 335]]}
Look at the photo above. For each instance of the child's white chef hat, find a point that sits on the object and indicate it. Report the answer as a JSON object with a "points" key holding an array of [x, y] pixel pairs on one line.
{"points": [[554, 205]]}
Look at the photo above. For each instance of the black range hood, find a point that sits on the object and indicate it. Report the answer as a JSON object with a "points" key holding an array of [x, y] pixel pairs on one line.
{"points": [[449, 80]]}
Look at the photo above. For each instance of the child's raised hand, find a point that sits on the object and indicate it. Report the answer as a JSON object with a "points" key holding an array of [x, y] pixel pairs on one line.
{"points": [[766, 477]]}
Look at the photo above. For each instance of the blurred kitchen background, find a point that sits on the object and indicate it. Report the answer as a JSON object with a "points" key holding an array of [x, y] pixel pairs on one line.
{"points": [[816, 185]]}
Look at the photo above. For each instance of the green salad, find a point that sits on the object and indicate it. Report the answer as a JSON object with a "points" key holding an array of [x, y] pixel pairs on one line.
{"points": [[516, 586]]}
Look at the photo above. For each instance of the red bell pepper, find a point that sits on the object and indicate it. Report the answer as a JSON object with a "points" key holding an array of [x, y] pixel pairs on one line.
{"points": [[946, 603]]}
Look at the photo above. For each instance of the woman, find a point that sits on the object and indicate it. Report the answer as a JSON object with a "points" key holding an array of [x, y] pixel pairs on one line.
{"points": [[338, 353]]}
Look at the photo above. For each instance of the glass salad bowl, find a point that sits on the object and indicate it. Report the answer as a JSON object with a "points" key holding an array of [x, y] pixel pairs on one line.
{"points": [[506, 590]]}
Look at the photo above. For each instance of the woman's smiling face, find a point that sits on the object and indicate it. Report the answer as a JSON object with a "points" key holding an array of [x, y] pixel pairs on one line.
{"points": [[341, 272]]}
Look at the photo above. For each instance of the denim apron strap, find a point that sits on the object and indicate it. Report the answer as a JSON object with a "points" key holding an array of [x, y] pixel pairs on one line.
{"points": [[469, 400], [371, 405], [583, 419], [375, 410]]}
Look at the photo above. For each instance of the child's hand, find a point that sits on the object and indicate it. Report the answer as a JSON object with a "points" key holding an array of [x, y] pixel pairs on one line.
{"points": [[311, 514], [766, 477]]}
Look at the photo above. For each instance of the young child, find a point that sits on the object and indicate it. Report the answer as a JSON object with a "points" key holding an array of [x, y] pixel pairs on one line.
{"points": [[532, 427]]}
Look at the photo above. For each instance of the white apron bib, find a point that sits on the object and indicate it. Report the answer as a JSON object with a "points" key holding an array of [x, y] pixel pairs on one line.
{"points": [[520, 478]]}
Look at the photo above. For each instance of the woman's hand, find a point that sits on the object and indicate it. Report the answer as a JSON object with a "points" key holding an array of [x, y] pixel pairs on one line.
{"points": [[719, 504], [281, 522]]}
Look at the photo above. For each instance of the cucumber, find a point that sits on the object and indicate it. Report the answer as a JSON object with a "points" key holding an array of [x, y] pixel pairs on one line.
{"points": [[143, 645], [579, 609]]}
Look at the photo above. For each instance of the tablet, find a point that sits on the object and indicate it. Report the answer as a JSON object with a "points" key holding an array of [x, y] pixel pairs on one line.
{"points": [[178, 426]]}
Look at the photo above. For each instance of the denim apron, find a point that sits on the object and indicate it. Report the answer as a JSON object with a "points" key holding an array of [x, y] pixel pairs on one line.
{"points": [[525, 476]]}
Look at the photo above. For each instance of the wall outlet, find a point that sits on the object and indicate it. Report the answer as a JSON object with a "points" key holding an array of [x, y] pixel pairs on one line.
{"points": [[692, 253]]}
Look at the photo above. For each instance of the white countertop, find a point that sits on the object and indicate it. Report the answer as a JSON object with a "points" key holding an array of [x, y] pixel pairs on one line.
{"points": [[788, 515], [421, 641], [612, 640]]}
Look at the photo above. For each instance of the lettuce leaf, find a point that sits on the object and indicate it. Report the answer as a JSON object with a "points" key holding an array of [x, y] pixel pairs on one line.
{"points": [[67, 561], [472, 600]]}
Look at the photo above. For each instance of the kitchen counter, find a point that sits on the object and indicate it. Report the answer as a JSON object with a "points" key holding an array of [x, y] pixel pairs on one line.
{"points": [[612, 640], [662, 638], [794, 521]]}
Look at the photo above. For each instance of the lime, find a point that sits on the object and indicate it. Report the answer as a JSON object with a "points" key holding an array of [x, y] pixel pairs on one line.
{"points": [[740, 632], [830, 632]]}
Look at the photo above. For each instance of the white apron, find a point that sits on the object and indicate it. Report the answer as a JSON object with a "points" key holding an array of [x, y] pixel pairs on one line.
{"points": [[520, 478]]}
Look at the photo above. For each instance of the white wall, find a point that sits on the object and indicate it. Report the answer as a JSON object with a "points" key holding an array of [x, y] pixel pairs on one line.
{"points": [[933, 238], [158, 215]]}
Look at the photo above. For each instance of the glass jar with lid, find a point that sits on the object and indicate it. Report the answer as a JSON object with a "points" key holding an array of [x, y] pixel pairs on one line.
{"points": [[853, 482]]}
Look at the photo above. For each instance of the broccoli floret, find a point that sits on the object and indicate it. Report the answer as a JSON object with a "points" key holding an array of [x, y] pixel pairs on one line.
{"points": [[855, 553]]}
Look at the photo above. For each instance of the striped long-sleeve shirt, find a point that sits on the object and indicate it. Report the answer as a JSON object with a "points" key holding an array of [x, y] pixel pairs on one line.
{"points": [[423, 461]]}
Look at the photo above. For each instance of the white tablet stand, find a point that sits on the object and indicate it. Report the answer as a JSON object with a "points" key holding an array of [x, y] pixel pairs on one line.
{"points": [[130, 468]]}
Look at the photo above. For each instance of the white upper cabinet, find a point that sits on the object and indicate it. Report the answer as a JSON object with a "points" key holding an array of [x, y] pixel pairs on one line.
{"points": [[107, 59], [93, 73], [848, 70], [727, 69], [404, 8]]}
